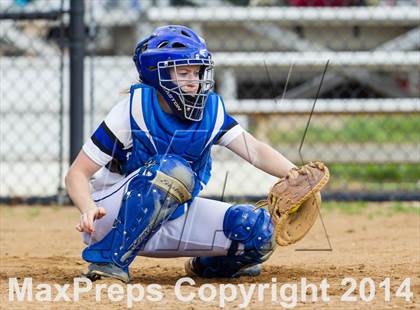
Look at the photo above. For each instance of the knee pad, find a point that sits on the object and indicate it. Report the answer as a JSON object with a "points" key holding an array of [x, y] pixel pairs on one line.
{"points": [[152, 196], [243, 224], [172, 174], [252, 235]]}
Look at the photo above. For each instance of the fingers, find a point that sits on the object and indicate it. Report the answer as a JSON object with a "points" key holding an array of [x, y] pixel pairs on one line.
{"points": [[86, 223], [100, 213], [90, 219], [87, 219]]}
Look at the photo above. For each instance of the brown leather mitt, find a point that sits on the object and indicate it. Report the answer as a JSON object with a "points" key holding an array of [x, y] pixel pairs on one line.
{"points": [[293, 202]]}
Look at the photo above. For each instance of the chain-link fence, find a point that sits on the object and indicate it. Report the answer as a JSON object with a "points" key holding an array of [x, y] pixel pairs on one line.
{"points": [[269, 55], [32, 97]]}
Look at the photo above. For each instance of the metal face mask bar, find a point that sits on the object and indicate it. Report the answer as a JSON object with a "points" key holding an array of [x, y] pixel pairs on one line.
{"points": [[192, 105]]}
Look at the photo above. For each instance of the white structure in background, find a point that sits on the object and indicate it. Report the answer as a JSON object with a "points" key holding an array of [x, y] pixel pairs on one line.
{"points": [[393, 50]]}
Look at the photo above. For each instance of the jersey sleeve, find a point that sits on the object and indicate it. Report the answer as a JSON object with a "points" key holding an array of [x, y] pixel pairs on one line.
{"points": [[112, 139], [229, 130]]}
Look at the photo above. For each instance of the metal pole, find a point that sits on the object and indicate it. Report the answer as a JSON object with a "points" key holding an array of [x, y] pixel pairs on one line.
{"points": [[60, 189], [77, 52]]}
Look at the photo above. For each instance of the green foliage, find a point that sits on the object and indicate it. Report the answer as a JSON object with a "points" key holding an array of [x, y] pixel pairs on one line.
{"points": [[376, 172], [356, 129], [373, 209], [400, 207], [346, 207]]}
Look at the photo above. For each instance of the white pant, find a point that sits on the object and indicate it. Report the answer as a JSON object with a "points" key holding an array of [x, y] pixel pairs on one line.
{"points": [[198, 232]]}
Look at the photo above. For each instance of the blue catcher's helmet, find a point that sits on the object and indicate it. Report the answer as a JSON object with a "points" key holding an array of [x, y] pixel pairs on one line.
{"points": [[166, 49]]}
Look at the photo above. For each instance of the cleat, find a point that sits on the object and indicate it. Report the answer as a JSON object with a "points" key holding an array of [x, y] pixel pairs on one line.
{"points": [[252, 271], [194, 268], [98, 270]]}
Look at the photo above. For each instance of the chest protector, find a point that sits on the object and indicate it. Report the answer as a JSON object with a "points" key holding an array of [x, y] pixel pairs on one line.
{"points": [[156, 132]]}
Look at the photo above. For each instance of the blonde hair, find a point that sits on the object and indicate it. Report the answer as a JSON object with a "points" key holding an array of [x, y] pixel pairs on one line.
{"points": [[126, 91]]}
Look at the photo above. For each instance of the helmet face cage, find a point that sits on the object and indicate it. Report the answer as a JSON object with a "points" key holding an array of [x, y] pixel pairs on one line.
{"points": [[164, 51], [192, 106]]}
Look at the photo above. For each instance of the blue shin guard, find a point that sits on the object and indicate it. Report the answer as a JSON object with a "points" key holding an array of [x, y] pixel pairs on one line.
{"points": [[151, 198], [251, 232]]}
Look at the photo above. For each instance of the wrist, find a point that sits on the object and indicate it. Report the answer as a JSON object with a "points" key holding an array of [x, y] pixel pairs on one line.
{"points": [[87, 207]]}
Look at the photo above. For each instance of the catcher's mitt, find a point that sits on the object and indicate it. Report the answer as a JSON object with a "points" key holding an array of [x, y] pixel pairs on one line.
{"points": [[293, 202]]}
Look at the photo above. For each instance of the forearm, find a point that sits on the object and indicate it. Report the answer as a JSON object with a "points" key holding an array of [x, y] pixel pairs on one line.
{"points": [[271, 161], [260, 155], [78, 188]]}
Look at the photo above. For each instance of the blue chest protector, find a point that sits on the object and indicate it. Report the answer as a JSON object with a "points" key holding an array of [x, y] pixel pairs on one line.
{"points": [[156, 132]]}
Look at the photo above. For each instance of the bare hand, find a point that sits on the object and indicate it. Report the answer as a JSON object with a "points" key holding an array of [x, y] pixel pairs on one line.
{"points": [[87, 218]]}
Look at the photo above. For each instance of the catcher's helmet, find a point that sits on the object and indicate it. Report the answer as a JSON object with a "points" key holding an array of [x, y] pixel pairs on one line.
{"points": [[168, 47]]}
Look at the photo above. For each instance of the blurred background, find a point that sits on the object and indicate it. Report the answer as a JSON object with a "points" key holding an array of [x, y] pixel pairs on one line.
{"points": [[270, 56]]}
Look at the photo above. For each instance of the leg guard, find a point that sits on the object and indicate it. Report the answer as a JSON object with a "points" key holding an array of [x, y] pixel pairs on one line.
{"points": [[151, 197], [251, 232]]}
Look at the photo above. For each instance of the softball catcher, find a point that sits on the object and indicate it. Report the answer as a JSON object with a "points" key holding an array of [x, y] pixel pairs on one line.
{"points": [[137, 180]]}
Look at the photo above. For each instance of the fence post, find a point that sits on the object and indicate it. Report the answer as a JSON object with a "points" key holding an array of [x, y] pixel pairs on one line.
{"points": [[77, 52]]}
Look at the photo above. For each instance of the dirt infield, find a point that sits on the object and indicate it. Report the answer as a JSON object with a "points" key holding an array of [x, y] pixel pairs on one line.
{"points": [[376, 242]]}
